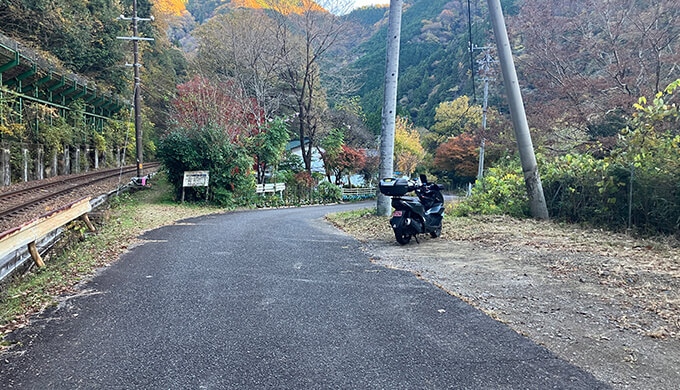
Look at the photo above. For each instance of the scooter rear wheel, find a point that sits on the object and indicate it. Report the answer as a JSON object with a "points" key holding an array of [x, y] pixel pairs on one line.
{"points": [[402, 238]]}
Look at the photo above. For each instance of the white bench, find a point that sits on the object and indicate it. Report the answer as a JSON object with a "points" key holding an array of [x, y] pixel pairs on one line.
{"points": [[270, 188], [358, 193]]}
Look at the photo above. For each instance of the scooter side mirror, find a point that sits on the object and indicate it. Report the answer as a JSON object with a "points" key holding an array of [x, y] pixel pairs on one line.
{"points": [[423, 178]]}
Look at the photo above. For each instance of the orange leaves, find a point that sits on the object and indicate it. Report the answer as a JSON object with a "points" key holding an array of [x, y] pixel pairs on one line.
{"points": [[459, 155], [173, 7], [407, 148]]}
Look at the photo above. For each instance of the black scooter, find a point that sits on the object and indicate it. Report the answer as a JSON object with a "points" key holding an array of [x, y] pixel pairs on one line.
{"points": [[414, 216]]}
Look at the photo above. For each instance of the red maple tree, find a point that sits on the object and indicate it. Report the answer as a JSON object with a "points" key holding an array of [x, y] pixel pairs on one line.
{"points": [[458, 155], [201, 103]]}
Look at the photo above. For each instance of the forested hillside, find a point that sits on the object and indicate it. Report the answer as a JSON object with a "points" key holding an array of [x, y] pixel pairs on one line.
{"points": [[434, 59], [204, 9], [81, 35]]}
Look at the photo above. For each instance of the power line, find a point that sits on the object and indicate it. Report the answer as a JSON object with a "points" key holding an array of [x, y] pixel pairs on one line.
{"points": [[135, 38], [471, 49]]}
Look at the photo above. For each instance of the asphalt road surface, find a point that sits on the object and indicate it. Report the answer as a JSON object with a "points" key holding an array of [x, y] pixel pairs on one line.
{"points": [[270, 299]]}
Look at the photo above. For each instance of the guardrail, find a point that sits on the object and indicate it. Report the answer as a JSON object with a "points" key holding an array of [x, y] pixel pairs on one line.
{"points": [[14, 240], [358, 193]]}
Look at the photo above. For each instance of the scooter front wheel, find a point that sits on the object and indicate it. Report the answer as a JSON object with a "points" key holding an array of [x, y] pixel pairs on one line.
{"points": [[402, 237]]}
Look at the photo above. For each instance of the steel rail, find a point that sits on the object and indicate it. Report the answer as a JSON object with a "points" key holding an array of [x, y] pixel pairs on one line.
{"points": [[65, 180], [4, 214]]}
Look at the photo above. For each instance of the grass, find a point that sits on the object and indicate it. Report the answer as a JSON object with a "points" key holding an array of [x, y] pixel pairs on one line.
{"points": [[503, 232], [81, 254]]}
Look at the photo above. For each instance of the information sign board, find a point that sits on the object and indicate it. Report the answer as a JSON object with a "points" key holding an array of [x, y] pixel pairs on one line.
{"points": [[196, 178]]}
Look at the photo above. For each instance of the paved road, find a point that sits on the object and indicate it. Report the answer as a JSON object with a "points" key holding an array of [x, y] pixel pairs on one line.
{"points": [[271, 299]]}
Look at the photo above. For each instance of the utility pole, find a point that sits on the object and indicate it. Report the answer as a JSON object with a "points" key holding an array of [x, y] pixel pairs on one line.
{"points": [[389, 111], [135, 38], [487, 73], [532, 180]]}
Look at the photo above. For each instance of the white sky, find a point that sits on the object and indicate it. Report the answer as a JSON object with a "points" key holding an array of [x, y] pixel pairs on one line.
{"points": [[361, 3]]}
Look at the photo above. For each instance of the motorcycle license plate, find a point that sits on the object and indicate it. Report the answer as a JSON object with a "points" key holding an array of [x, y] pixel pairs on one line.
{"points": [[397, 213]]}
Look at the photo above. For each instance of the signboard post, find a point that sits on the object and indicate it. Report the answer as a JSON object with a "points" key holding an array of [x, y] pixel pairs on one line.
{"points": [[196, 179]]}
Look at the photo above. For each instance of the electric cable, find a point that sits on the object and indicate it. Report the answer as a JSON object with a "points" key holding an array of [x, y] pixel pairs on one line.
{"points": [[472, 54]]}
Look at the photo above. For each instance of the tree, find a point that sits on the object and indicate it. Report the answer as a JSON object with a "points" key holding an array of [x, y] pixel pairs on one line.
{"points": [[348, 116], [458, 156], [331, 147], [305, 39], [408, 151], [452, 119], [587, 61], [212, 132], [241, 47], [201, 103], [269, 145], [349, 161]]}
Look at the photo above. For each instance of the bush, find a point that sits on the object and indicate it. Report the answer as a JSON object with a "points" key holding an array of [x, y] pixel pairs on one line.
{"points": [[329, 192], [230, 180], [583, 188], [502, 191]]}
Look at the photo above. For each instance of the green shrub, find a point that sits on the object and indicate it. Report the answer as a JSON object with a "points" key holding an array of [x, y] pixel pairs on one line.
{"points": [[501, 191], [230, 180], [583, 188], [329, 192]]}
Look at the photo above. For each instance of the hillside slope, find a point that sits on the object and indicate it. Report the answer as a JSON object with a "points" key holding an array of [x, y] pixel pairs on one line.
{"points": [[434, 61], [204, 9]]}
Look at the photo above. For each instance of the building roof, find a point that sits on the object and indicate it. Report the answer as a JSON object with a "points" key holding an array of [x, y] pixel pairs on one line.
{"points": [[296, 144]]}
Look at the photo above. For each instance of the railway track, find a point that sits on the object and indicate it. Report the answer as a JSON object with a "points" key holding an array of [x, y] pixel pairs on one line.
{"points": [[13, 203]]}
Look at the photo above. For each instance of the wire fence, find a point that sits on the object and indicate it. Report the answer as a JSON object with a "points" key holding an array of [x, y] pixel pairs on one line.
{"points": [[639, 198]]}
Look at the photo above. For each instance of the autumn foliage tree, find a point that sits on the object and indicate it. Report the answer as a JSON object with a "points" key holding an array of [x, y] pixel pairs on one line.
{"points": [[408, 151], [452, 119], [217, 128], [458, 157], [588, 61], [349, 162], [201, 103]]}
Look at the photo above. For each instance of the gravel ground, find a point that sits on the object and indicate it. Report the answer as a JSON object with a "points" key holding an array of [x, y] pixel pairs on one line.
{"points": [[605, 302], [91, 190]]}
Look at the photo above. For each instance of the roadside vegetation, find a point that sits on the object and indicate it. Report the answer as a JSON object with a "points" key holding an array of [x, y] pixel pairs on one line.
{"points": [[81, 254], [633, 184]]}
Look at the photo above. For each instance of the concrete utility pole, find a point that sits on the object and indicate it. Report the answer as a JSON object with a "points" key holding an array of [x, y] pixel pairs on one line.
{"points": [[389, 111], [135, 38], [532, 180], [487, 73]]}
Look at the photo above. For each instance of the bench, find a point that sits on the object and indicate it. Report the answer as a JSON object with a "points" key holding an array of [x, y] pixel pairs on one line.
{"points": [[270, 188]]}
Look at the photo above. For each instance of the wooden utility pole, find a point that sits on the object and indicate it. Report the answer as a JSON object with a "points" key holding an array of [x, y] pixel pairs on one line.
{"points": [[135, 38], [532, 180], [389, 111]]}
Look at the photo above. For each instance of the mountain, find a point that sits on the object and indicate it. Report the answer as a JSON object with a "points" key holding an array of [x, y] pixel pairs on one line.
{"points": [[434, 60], [204, 9], [172, 7]]}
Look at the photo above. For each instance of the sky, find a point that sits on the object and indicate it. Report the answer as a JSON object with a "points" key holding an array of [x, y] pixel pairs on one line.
{"points": [[361, 3]]}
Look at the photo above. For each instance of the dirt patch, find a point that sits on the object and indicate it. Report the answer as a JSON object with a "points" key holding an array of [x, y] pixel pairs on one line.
{"points": [[602, 301]]}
